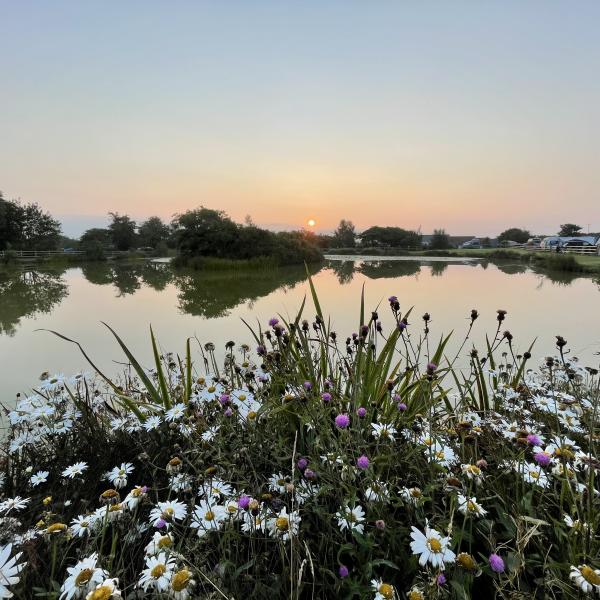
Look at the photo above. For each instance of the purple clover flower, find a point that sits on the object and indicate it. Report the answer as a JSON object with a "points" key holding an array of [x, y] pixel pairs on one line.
{"points": [[342, 421], [402, 407], [343, 571], [326, 396], [361, 412], [496, 563], [542, 459], [244, 502], [363, 462], [534, 440], [302, 463], [273, 321]]}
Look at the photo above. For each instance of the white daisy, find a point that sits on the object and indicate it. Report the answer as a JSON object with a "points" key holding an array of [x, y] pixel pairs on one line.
{"points": [[182, 584], [17, 503], [216, 487], [105, 590], [279, 483], [207, 516], [81, 525], [83, 578], [470, 507], [169, 511], [151, 423], [118, 475], [175, 413], [9, 570], [351, 518], [383, 591], [159, 543], [135, 496], [74, 470], [383, 431], [158, 572], [39, 477], [412, 495], [431, 547], [586, 578], [284, 525]]}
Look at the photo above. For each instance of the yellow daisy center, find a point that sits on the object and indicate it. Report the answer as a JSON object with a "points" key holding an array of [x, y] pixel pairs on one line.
{"points": [[209, 516], [415, 595], [415, 493], [590, 575], [434, 545], [282, 524], [102, 593], [471, 506], [386, 590], [466, 561], [181, 580], [57, 528], [252, 414], [84, 577], [165, 542], [158, 571]]}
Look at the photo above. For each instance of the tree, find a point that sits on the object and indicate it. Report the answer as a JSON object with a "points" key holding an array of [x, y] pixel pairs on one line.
{"points": [[345, 235], [27, 226], [569, 229], [152, 232], [514, 234], [205, 232], [390, 236], [122, 231], [94, 242], [440, 240]]}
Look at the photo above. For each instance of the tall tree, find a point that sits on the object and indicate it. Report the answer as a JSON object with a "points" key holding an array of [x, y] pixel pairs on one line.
{"points": [[569, 229], [390, 236], [440, 240], [345, 235], [152, 232], [514, 234], [27, 226], [122, 231]]}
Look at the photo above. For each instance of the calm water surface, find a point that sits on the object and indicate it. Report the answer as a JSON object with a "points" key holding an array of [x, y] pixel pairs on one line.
{"points": [[130, 297]]}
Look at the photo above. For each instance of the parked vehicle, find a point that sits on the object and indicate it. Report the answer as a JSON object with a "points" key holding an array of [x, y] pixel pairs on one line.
{"points": [[473, 244], [534, 242]]}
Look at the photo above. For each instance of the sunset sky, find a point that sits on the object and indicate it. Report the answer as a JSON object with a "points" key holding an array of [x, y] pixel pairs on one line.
{"points": [[472, 116]]}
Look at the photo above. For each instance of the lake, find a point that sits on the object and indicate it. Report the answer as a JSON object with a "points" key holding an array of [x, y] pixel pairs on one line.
{"points": [[210, 306]]}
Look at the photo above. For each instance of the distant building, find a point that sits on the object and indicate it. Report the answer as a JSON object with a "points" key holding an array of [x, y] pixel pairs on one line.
{"points": [[455, 240]]}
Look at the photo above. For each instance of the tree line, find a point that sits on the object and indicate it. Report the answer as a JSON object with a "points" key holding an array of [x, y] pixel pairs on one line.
{"points": [[208, 232]]}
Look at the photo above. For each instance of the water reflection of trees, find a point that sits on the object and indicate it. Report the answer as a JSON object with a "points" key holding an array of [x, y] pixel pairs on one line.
{"points": [[344, 270], [384, 269], [215, 293], [26, 293], [128, 278]]}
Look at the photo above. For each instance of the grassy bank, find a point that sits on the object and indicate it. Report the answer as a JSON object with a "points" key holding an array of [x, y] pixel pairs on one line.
{"points": [[312, 467], [571, 263]]}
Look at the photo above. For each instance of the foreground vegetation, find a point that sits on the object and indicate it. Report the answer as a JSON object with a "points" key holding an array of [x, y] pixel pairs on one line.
{"points": [[316, 466]]}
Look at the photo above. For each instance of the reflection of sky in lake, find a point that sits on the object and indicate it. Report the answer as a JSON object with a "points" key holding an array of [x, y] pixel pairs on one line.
{"points": [[132, 298]]}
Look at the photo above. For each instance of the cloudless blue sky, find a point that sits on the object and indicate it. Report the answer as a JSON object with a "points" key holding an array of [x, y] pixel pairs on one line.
{"points": [[472, 116]]}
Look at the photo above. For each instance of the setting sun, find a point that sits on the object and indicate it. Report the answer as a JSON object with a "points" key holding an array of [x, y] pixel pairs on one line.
{"points": [[311, 222]]}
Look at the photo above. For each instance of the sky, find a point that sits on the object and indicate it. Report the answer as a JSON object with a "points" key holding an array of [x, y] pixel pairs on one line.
{"points": [[471, 116]]}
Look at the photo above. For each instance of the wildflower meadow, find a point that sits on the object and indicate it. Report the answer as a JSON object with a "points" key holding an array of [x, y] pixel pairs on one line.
{"points": [[372, 464]]}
